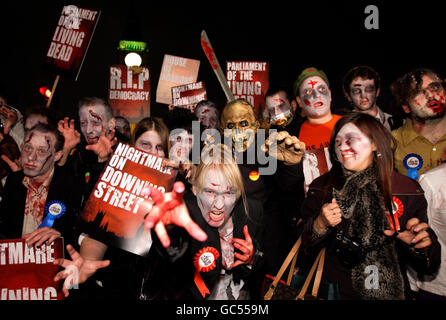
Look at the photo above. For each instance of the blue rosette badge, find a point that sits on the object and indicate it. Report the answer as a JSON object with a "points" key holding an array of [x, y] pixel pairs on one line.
{"points": [[413, 162], [53, 210]]}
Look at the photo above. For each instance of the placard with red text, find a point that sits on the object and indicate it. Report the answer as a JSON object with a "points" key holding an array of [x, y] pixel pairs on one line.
{"points": [[116, 208], [27, 273]]}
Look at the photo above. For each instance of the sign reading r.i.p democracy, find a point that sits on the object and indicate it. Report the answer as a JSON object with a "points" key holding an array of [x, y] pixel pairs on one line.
{"points": [[129, 92]]}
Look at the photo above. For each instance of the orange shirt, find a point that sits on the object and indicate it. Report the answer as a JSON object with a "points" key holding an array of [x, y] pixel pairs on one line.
{"points": [[317, 136]]}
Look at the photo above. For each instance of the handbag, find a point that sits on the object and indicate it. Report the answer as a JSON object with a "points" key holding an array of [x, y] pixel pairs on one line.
{"points": [[289, 290]]}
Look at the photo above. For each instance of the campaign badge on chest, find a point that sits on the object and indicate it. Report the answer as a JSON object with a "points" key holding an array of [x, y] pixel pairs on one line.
{"points": [[413, 162]]}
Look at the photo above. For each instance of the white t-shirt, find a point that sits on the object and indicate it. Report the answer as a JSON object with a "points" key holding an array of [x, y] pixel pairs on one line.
{"points": [[433, 183]]}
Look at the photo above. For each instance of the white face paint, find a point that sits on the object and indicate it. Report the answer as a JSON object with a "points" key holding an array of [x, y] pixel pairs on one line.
{"points": [[91, 119], [38, 153], [430, 102], [363, 94], [180, 145], [279, 109], [354, 149], [150, 141], [315, 97], [217, 198]]}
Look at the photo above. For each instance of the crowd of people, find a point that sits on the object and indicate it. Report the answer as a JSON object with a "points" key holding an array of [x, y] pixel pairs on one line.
{"points": [[232, 217]]}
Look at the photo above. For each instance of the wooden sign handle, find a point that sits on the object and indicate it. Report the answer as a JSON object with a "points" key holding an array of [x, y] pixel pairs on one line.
{"points": [[52, 91]]}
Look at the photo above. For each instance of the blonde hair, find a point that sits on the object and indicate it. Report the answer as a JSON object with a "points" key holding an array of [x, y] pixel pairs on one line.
{"points": [[219, 157]]}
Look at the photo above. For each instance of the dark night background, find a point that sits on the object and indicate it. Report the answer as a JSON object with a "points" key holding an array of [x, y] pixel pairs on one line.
{"points": [[290, 36]]}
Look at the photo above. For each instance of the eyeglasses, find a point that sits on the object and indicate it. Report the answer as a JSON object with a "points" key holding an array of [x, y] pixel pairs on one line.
{"points": [[433, 87]]}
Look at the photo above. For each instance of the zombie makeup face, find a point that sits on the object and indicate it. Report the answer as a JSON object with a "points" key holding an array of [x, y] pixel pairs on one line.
{"points": [[208, 117], [38, 154], [239, 124], [279, 108], [354, 150], [91, 120], [150, 141], [217, 198], [123, 127], [315, 97], [363, 94], [181, 143], [429, 101]]}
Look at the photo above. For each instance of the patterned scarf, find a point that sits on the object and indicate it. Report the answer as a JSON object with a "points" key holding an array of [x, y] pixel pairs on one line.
{"points": [[363, 208]]}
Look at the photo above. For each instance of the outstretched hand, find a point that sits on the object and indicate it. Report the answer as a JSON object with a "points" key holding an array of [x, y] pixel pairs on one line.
{"points": [[284, 147], [15, 165], [77, 270], [72, 137], [103, 148], [246, 247], [168, 209]]}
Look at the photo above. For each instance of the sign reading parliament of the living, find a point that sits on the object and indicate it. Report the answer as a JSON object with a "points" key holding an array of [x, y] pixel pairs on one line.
{"points": [[249, 80], [71, 39], [116, 209]]}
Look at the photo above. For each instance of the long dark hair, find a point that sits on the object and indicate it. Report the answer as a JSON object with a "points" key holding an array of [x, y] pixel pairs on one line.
{"points": [[383, 156]]}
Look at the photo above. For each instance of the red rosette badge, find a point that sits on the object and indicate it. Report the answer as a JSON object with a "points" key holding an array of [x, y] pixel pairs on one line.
{"points": [[204, 261], [398, 210]]}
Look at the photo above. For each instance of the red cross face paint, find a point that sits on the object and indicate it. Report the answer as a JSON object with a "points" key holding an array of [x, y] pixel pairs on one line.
{"points": [[91, 119], [217, 198], [363, 94], [315, 96], [150, 141], [354, 149], [429, 102], [38, 154]]}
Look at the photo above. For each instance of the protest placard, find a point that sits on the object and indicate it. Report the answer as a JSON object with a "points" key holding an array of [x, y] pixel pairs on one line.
{"points": [[189, 95], [249, 80], [175, 71], [129, 92], [115, 210], [71, 38], [27, 272]]}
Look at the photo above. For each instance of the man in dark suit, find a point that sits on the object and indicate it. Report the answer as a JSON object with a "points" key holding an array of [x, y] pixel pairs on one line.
{"points": [[40, 202]]}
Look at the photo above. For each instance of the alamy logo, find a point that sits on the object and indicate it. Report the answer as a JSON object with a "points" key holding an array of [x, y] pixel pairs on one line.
{"points": [[372, 280]]}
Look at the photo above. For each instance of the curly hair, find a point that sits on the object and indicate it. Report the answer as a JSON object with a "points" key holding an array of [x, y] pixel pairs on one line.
{"points": [[405, 87]]}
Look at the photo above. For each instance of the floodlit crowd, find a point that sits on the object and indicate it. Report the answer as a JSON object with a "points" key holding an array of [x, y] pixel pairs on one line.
{"points": [[364, 186]]}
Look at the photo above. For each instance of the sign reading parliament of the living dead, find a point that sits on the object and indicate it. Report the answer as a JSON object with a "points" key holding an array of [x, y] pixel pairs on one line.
{"points": [[249, 80], [116, 209], [27, 272], [175, 71], [71, 39], [129, 92], [189, 95]]}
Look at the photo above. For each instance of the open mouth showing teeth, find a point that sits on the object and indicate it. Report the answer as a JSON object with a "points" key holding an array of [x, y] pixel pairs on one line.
{"points": [[216, 215], [346, 156]]}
